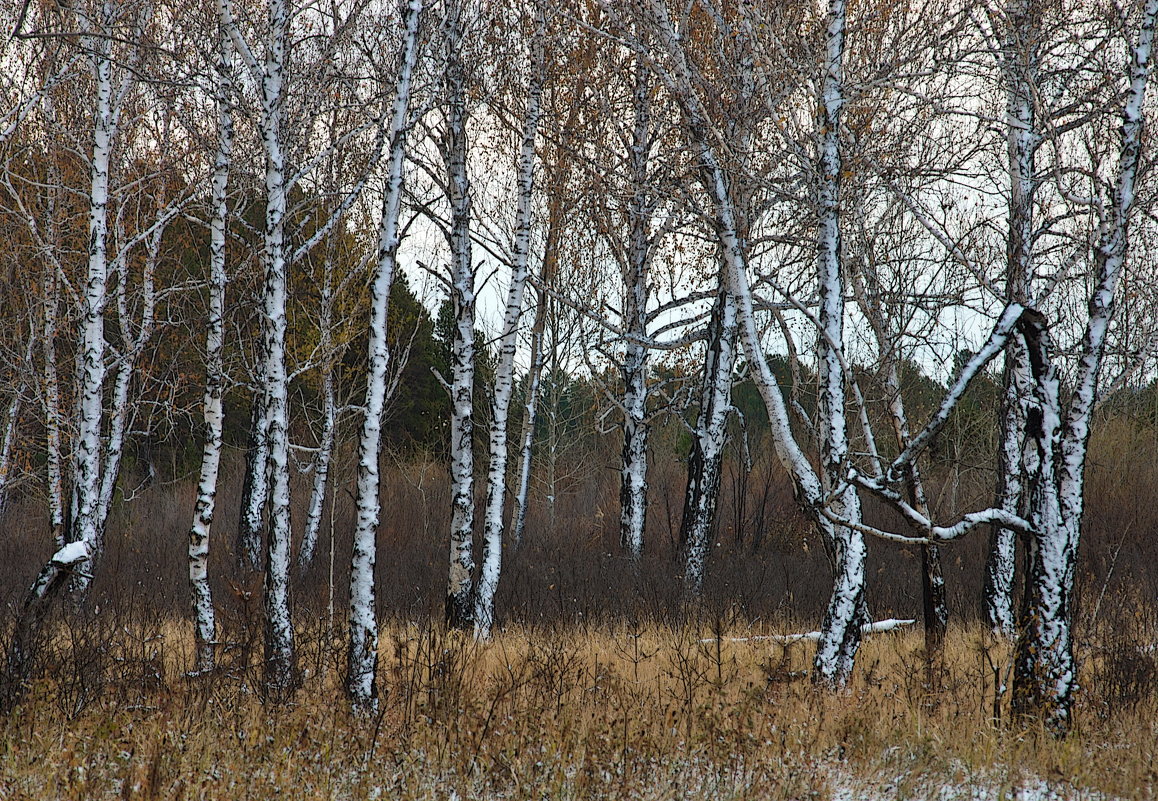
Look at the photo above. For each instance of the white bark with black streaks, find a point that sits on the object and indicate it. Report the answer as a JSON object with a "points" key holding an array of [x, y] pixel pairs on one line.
{"points": [[1045, 672], [504, 382], [362, 656]]}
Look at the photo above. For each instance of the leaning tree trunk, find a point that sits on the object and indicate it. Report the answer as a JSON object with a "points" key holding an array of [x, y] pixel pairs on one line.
{"points": [[20, 660], [362, 656], [708, 442]]}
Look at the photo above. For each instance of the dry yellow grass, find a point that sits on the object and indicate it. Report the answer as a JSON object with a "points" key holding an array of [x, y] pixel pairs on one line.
{"points": [[572, 713]]}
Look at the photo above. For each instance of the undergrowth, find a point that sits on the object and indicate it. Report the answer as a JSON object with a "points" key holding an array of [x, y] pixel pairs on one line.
{"points": [[715, 711]]}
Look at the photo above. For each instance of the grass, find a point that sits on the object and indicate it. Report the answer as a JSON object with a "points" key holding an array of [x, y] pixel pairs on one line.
{"points": [[564, 712]]}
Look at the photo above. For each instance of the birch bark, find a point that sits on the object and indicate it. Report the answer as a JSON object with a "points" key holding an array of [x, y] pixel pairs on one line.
{"points": [[213, 413], [1044, 671], [709, 438], [87, 465], [362, 657], [640, 207], [484, 609], [1020, 65], [459, 595]]}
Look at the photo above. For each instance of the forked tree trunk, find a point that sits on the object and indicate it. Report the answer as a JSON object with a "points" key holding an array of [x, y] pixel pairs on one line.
{"points": [[1045, 674]]}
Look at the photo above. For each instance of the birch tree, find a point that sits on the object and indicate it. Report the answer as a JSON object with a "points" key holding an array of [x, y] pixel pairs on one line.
{"points": [[454, 149], [1058, 437], [213, 415], [363, 649], [504, 378]]}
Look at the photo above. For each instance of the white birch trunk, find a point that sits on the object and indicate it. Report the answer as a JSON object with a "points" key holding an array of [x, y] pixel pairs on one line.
{"points": [[1020, 67], [840, 636], [255, 488], [633, 470], [12, 424], [279, 634], [321, 471], [530, 417], [484, 609], [52, 420], [87, 465], [459, 607], [126, 367], [1045, 673], [362, 658], [709, 439], [213, 413], [841, 632]]}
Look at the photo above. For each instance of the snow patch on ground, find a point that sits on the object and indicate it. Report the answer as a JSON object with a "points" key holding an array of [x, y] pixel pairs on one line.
{"points": [[847, 787]]}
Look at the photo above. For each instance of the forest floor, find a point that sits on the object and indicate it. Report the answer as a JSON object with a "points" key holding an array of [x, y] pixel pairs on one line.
{"points": [[646, 712]]}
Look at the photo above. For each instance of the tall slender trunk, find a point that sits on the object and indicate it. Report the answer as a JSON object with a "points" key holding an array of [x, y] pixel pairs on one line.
{"points": [[213, 412], [87, 465], [279, 633], [12, 424], [321, 465], [1044, 670], [640, 207], [484, 610], [840, 633], [52, 420], [459, 600], [1020, 65], [362, 656], [132, 348], [935, 608], [530, 417], [708, 441]]}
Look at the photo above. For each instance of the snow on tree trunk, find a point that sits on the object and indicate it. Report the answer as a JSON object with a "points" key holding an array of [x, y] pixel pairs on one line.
{"points": [[708, 441], [1000, 562], [1020, 66], [1044, 670], [840, 634], [87, 466], [504, 381], [64, 565], [213, 413], [459, 600], [362, 656]]}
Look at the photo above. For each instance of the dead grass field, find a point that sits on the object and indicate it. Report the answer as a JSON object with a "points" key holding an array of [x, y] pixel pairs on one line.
{"points": [[570, 713]]}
